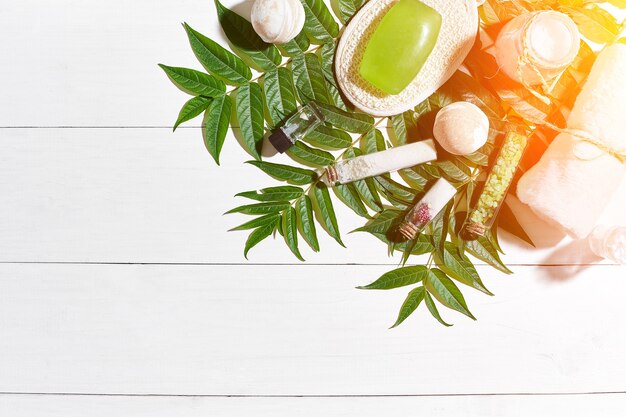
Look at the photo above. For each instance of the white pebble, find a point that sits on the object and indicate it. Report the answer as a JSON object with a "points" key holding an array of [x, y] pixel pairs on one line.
{"points": [[277, 21], [461, 128]]}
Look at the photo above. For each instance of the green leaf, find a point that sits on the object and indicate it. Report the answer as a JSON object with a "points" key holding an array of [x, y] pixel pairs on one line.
{"points": [[484, 250], [310, 156], [594, 23], [195, 82], [382, 222], [271, 218], [405, 127], [218, 60], [282, 193], [349, 195], [306, 222], [460, 268], [191, 109], [329, 138], [243, 37], [400, 277], [217, 118], [290, 231], [261, 208], [327, 54], [324, 207], [319, 24], [258, 235], [373, 142], [454, 172], [439, 229], [413, 300], [414, 179], [335, 95], [296, 46], [279, 94], [395, 191], [347, 8], [292, 175], [444, 290], [351, 121], [369, 194], [309, 79], [249, 109], [430, 304]]}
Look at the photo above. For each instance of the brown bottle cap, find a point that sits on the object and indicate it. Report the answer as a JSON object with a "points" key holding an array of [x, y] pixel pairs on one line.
{"points": [[280, 140]]}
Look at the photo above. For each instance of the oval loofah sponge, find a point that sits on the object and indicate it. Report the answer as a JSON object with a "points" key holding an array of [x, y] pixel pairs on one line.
{"points": [[457, 35]]}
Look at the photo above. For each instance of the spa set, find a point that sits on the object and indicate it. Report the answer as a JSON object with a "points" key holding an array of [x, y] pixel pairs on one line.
{"points": [[422, 117]]}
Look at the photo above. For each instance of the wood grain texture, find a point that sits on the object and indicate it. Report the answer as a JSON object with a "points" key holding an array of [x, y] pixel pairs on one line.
{"points": [[150, 196], [280, 330], [109, 183], [607, 405]]}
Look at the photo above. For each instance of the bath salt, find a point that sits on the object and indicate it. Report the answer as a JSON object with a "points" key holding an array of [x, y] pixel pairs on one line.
{"points": [[377, 163], [427, 208]]}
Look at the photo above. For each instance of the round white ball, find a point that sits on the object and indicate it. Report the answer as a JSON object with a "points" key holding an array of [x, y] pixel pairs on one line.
{"points": [[461, 128]]}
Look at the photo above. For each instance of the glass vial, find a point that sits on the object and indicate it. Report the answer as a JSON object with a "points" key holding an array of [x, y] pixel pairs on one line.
{"points": [[378, 163], [535, 48], [427, 208], [297, 127], [496, 186], [609, 243]]}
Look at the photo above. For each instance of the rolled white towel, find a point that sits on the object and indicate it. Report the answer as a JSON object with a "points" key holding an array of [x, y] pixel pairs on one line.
{"points": [[574, 180]]}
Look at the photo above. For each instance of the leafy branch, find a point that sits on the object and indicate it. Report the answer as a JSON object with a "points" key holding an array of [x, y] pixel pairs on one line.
{"points": [[300, 71]]}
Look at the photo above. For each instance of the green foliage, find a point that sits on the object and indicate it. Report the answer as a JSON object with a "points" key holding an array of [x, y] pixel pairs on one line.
{"points": [[195, 82], [279, 94], [319, 24], [194, 107], [295, 73], [289, 174], [216, 125], [244, 39], [249, 105], [218, 60], [347, 8], [309, 79]]}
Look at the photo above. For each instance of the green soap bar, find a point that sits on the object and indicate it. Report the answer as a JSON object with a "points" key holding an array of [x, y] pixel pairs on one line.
{"points": [[400, 45]]}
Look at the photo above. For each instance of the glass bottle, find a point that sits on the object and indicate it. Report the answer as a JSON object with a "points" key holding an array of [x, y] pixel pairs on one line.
{"points": [[370, 165], [483, 214], [536, 47], [427, 208], [297, 127], [609, 243]]}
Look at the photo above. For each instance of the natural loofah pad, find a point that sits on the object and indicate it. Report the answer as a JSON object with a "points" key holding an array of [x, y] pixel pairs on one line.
{"points": [[458, 33]]}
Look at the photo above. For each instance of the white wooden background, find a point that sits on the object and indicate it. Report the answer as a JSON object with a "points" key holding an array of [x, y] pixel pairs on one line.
{"points": [[122, 294]]}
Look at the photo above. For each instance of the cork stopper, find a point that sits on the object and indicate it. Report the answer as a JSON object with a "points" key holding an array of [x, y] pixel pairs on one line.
{"points": [[473, 230], [330, 177], [408, 230]]}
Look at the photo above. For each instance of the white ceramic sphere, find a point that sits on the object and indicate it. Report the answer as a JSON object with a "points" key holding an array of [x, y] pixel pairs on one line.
{"points": [[277, 21], [461, 128]]}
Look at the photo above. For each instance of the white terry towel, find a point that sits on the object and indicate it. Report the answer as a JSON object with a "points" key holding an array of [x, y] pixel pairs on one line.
{"points": [[574, 180]]}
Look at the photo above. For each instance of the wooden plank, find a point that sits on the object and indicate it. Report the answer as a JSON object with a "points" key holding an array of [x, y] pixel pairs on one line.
{"points": [[607, 405], [282, 330], [90, 63], [146, 195]]}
